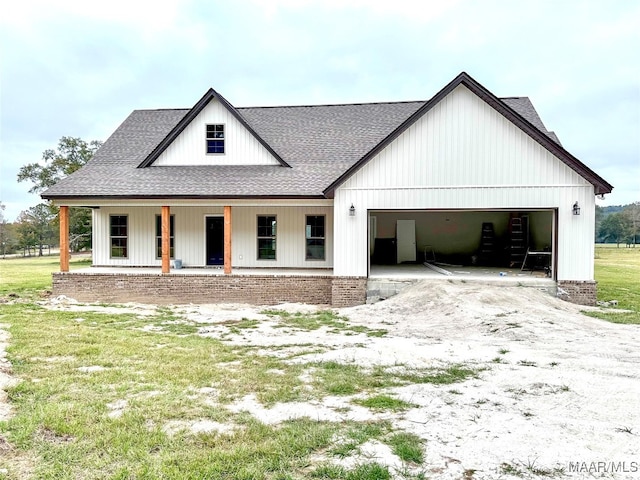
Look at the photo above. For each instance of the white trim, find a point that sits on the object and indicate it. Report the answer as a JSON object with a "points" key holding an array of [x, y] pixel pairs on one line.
{"points": [[555, 245], [205, 202], [466, 209], [258, 237], [324, 237], [224, 139], [127, 237], [453, 187]]}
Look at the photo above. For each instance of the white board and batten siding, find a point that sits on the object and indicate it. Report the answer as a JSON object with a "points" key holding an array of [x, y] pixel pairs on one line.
{"points": [[462, 154], [290, 241], [241, 147], [190, 239]]}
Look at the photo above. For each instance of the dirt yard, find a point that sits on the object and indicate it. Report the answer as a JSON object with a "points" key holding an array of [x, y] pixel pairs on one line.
{"points": [[559, 390], [557, 393]]}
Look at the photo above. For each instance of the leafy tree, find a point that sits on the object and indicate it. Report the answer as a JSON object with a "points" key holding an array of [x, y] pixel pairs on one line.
{"points": [[71, 154], [600, 215], [7, 234], [632, 214], [35, 227], [10, 239], [79, 228], [612, 209], [614, 227]]}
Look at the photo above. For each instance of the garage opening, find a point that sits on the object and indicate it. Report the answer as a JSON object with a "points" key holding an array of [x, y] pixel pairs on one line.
{"points": [[463, 242]]}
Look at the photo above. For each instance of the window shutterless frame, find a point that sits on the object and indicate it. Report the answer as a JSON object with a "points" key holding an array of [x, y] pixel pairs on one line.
{"points": [[215, 138], [315, 237], [266, 237], [118, 236]]}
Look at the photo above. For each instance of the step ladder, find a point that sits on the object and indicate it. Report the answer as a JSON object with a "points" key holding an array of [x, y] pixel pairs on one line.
{"points": [[517, 243]]}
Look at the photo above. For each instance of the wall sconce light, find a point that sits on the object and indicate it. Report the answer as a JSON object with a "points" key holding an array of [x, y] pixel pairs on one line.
{"points": [[352, 211], [576, 208]]}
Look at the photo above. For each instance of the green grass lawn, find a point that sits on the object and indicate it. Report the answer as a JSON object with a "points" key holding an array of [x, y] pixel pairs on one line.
{"points": [[31, 275], [101, 397], [617, 271]]}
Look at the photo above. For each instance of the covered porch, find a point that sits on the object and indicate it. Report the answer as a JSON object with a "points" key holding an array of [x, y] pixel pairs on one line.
{"points": [[119, 240]]}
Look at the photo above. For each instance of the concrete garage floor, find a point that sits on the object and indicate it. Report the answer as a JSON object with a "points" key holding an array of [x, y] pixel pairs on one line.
{"points": [[419, 271], [385, 281]]}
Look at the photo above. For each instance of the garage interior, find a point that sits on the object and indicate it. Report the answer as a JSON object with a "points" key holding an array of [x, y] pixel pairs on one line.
{"points": [[462, 243]]}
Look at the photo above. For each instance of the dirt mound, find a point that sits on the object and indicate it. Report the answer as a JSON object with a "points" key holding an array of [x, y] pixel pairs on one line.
{"points": [[456, 308]]}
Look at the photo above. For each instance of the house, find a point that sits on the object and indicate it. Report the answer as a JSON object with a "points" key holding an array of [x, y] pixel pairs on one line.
{"points": [[302, 203]]}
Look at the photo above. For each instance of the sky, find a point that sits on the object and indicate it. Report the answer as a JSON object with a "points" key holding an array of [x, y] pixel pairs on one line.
{"points": [[77, 68]]}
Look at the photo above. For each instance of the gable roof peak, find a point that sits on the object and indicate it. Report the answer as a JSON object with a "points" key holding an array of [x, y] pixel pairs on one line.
{"points": [[210, 95], [601, 186]]}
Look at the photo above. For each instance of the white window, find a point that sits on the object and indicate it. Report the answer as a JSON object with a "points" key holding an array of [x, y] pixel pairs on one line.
{"points": [[266, 237], [215, 138], [118, 235], [315, 236]]}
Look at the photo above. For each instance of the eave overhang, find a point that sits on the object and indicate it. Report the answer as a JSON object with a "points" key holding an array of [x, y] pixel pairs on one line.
{"points": [[600, 185]]}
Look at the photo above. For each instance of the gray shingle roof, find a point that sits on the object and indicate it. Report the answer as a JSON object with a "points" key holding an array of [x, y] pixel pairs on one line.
{"points": [[318, 142], [524, 107], [321, 144]]}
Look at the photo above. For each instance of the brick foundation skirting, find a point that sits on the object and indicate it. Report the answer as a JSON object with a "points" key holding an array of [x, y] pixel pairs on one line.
{"points": [[181, 288], [582, 292]]}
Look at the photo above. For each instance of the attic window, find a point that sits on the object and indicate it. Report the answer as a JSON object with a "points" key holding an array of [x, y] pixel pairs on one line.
{"points": [[215, 138]]}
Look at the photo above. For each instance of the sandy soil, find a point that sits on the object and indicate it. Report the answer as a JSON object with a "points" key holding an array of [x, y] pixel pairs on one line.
{"points": [[568, 390], [557, 390]]}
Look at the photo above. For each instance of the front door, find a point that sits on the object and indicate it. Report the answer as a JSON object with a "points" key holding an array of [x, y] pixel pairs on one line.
{"points": [[215, 240]]}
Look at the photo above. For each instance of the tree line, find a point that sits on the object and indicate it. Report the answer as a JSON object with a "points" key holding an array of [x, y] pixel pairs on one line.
{"points": [[37, 228], [618, 224]]}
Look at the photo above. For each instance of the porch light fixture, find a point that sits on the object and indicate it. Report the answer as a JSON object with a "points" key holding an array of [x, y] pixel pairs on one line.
{"points": [[576, 208], [352, 211]]}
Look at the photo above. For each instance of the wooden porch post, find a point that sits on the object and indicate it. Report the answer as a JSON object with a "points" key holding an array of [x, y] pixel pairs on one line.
{"points": [[227, 240], [64, 238], [166, 215]]}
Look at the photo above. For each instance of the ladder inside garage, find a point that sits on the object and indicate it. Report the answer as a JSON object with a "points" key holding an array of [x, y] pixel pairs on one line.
{"points": [[517, 243]]}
